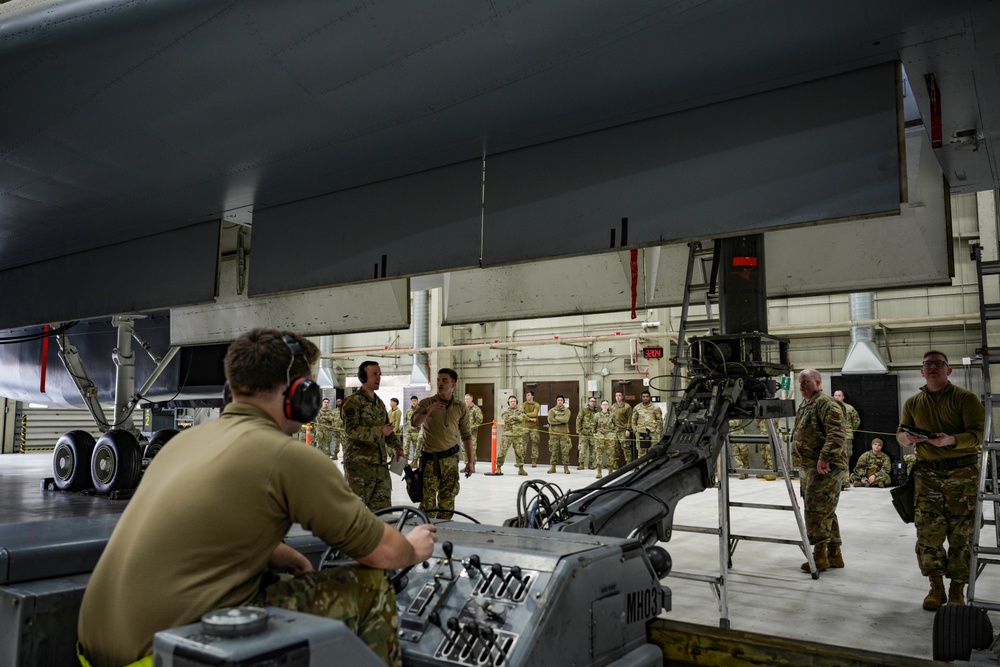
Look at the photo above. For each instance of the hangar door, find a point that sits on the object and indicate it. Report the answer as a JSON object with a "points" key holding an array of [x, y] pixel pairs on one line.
{"points": [[482, 395], [545, 396], [876, 398]]}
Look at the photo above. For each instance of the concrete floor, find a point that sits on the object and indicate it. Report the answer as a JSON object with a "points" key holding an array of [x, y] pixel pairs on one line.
{"points": [[873, 603]]}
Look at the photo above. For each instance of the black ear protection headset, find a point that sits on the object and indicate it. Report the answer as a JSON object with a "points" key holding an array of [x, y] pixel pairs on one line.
{"points": [[303, 397], [363, 370]]}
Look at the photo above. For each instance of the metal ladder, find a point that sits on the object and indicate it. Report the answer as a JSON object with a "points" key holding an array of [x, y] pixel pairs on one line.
{"points": [[728, 540], [986, 543], [700, 286]]}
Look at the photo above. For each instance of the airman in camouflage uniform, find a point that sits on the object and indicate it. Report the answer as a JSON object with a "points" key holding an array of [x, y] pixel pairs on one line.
{"points": [[530, 432], [741, 450], [605, 439], [324, 427], [559, 442], [874, 467], [512, 419], [363, 598], [475, 421], [338, 429], [585, 429], [396, 417], [852, 422], [622, 414], [371, 441], [946, 477], [647, 423], [414, 437], [819, 449]]}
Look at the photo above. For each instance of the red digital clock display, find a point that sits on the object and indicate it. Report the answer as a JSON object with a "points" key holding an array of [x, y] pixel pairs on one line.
{"points": [[652, 352]]}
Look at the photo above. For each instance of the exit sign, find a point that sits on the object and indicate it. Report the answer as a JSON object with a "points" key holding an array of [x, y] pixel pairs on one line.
{"points": [[652, 352]]}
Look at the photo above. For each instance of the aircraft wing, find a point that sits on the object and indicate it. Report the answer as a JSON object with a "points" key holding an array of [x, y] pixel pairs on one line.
{"points": [[131, 127]]}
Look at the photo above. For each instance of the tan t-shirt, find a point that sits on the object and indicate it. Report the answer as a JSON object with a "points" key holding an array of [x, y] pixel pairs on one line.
{"points": [[197, 535], [444, 429]]}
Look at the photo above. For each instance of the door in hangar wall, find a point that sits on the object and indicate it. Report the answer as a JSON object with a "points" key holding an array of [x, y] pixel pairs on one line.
{"points": [[482, 395], [545, 396], [876, 398]]}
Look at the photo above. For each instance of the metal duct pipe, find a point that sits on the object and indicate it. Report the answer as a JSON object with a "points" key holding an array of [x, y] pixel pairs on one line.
{"points": [[420, 323], [326, 377], [863, 356]]}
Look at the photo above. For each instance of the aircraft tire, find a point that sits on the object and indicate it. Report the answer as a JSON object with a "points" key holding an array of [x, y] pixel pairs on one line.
{"points": [[958, 630], [116, 464], [157, 441], [71, 461]]}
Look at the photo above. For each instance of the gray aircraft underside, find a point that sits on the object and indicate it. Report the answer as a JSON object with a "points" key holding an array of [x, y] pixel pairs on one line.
{"points": [[358, 145]]}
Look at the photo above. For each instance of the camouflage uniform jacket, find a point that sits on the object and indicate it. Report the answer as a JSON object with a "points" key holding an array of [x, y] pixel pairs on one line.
{"points": [[622, 414], [647, 417], [559, 420], [364, 418], [604, 424], [338, 420], [852, 420], [324, 420], [475, 419], [819, 433], [880, 461], [952, 410], [585, 420], [513, 421], [411, 431]]}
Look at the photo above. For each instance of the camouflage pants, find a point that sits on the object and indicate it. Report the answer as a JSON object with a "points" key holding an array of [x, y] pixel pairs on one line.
{"points": [[518, 442], [414, 443], [559, 446], [625, 444], [370, 481], [880, 477], [338, 437], [741, 453], [945, 507], [322, 439], [440, 492], [821, 493], [606, 453], [531, 437], [359, 596], [587, 451]]}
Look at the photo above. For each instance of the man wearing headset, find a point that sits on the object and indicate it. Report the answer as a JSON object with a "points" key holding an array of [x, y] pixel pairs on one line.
{"points": [[209, 517], [371, 440]]}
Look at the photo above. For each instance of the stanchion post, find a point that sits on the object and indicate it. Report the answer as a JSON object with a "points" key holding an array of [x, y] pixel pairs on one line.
{"points": [[493, 454]]}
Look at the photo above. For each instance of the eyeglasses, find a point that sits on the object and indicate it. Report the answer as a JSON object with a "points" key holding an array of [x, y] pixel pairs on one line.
{"points": [[935, 363]]}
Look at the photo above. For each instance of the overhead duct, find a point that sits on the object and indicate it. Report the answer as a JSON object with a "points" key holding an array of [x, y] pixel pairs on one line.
{"points": [[863, 356], [326, 377], [421, 328]]}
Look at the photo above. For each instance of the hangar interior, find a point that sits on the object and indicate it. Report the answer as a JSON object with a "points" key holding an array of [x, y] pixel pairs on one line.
{"points": [[508, 189]]}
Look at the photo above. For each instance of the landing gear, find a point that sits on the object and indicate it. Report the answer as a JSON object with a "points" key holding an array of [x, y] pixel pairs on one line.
{"points": [[117, 462], [157, 441], [960, 629], [71, 461]]}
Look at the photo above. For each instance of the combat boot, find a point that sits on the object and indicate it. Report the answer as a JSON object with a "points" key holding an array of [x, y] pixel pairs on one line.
{"points": [[956, 592], [566, 469], [743, 475], [599, 475], [935, 598], [534, 463], [552, 469], [819, 557], [499, 472], [520, 470], [834, 556]]}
